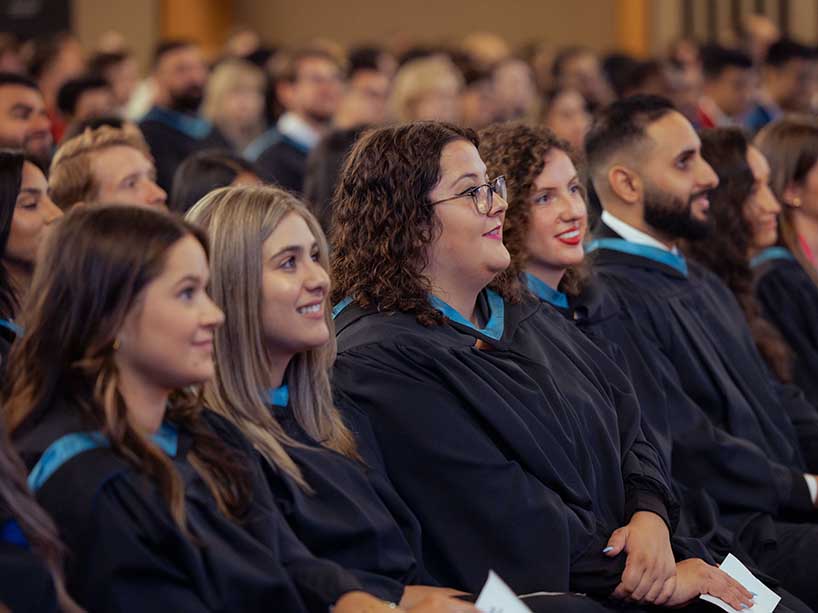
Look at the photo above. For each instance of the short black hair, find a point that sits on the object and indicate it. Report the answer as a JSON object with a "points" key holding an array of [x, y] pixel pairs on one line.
{"points": [[785, 50], [70, 92], [364, 58], [92, 123], [168, 46], [101, 62], [621, 125], [716, 59], [203, 172], [12, 78]]}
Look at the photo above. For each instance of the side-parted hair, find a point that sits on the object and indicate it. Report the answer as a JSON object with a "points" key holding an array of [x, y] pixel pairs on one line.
{"points": [[790, 145], [725, 149], [383, 221], [238, 221], [94, 268], [517, 151], [11, 179], [621, 125], [71, 179]]}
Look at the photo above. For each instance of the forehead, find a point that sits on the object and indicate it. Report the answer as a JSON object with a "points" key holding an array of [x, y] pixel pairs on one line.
{"points": [[33, 177], [557, 169], [316, 64], [19, 94], [186, 256], [461, 157], [120, 160], [758, 163], [291, 230], [182, 55], [672, 134]]}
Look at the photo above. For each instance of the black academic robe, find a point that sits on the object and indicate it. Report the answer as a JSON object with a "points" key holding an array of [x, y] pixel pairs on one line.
{"points": [[282, 161], [352, 516], [127, 554], [735, 431], [172, 139], [789, 300], [515, 452], [25, 582]]}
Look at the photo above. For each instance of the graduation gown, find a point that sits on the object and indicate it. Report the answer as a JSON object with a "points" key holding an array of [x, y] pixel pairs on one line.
{"points": [[25, 581], [173, 137], [789, 300], [279, 160], [352, 516], [735, 431], [505, 442], [127, 554]]}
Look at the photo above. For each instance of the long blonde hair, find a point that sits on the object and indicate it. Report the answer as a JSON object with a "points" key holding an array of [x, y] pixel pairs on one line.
{"points": [[790, 145], [238, 221]]}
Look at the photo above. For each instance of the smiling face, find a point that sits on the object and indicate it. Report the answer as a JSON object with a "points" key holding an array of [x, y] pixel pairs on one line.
{"points": [[676, 180], [166, 342], [124, 175], [468, 250], [24, 123], [294, 291], [557, 219], [34, 214], [761, 208]]}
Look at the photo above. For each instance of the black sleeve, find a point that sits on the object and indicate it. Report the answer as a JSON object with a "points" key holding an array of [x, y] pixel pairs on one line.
{"points": [[25, 583], [804, 418], [482, 510]]}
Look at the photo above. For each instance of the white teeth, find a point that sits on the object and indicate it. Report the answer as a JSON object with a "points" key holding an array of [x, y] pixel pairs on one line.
{"points": [[309, 309], [571, 234]]}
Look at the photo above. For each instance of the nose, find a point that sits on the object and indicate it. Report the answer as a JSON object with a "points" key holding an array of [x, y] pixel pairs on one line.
{"points": [[41, 122], [213, 316], [317, 278], [573, 209], [498, 205], [156, 195], [707, 177], [51, 212], [768, 201]]}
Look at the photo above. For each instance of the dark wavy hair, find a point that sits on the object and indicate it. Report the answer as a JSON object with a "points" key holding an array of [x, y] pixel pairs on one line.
{"points": [[94, 267], [517, 151], [11, 179], [725, 251], [383, 222]]}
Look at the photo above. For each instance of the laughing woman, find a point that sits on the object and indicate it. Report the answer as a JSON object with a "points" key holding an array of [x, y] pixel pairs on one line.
{"points": [[273, 355], [512, 448], [158, 500]]}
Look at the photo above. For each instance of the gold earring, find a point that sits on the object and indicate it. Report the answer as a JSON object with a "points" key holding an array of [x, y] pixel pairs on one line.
{"points": [[117, 344], [796, 202]]}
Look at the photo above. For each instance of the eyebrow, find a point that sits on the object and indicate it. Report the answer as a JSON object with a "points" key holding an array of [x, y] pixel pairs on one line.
{"points": [[685, 155], [21, 106], [133, 175], [188, 278], [471, 175], [35, 191], [574, 179], [293, 248]]}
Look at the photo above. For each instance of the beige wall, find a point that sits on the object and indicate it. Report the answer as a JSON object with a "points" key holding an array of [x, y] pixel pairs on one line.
{"points": [[137, 20], [589, 22]]}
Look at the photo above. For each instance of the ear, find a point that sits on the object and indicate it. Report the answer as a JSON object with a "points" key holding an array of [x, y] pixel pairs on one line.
{"points": [[625, 184], [792, 195], [284, 92]]}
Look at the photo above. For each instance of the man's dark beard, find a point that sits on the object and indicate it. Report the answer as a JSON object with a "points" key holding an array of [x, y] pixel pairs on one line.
{"points": [[324, 118], [188, 100], [674, 218]]}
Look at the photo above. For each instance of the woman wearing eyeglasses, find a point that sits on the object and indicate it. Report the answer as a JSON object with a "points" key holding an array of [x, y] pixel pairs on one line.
{"points": [[506, 442]]}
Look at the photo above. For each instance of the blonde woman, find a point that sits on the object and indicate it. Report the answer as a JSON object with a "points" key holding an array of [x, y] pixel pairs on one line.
{"points": [[234, 102], [427, 88], [269, 273]]}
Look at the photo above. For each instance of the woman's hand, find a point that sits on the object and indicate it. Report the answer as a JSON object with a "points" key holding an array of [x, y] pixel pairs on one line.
{"points": [[695, 577], [361, 602], [650, 569]]}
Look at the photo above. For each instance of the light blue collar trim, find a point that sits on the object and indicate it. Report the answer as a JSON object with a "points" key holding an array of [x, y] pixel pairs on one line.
{"points": [[496, 323], [191, 125], [261, 143], [16, 328], [771, 253], [71, 445], [545, 292], [667, 258], [278, 397], [336, 310]]}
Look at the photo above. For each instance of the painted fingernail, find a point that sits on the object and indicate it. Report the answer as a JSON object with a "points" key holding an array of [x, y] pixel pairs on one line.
{"points": [[607, 549]]}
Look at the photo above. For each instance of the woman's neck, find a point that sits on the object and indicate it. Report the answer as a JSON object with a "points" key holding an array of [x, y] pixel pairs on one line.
{"points": [[277, 363], [550, 276], [807, 228], [20, 279], [462, 300], [146, 403]]}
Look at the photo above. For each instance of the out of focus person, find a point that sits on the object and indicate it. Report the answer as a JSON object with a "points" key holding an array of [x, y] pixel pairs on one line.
{"points": [[122, 73], [729, 83], [107, 166], [54, 60], [631, 77], [684, 90], [234, 102], [486, 49], [366, 93], [515, 91], [579, 68], [24, 122], [84, 98], [787, 77], [757, 33], [310, 87], [173, 127], [566, 115], [242, 43], [92, 123], [205, 171], [478, 105], [427, 89], [10, 59]]}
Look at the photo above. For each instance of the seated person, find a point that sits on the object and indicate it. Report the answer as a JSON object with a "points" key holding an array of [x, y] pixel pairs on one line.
{"points": [[512, 449], [205, 171], [105, 165], [158, 500]]}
